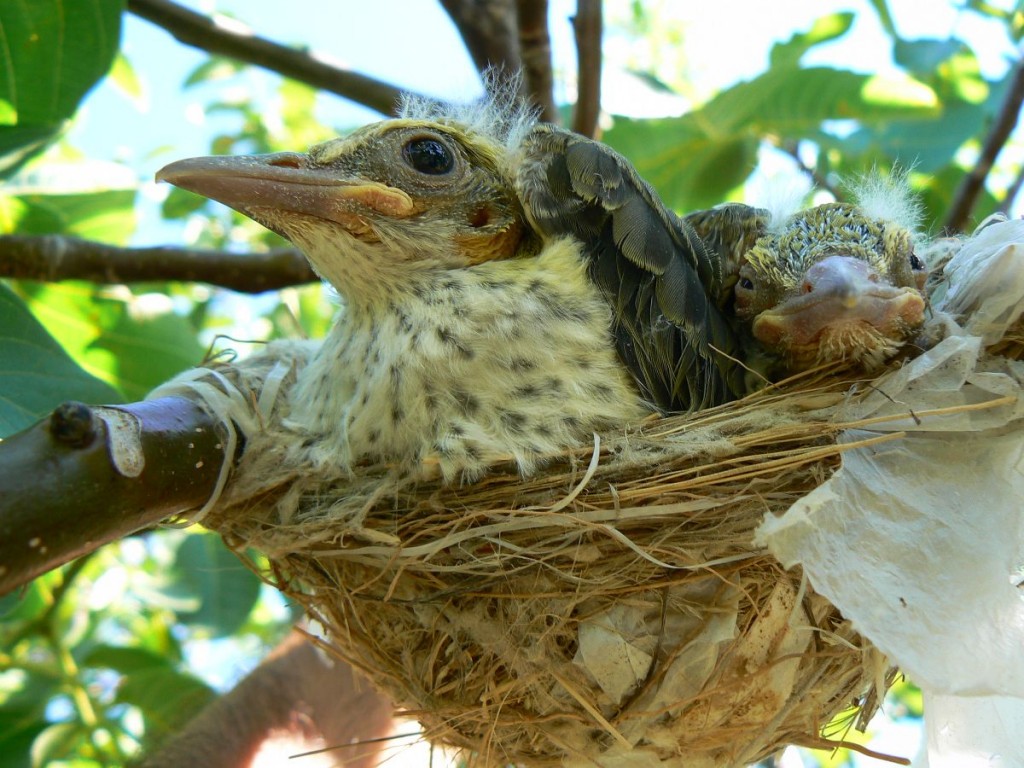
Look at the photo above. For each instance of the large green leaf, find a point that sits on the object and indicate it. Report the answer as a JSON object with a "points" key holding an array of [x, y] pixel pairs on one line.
{"points": [[124, 659], [824, 29], [695, 160], [227, 590], [168, 698], [18, 730], [968, 102], [107, 216], [51, 53], [129, 341], [36, 374]]}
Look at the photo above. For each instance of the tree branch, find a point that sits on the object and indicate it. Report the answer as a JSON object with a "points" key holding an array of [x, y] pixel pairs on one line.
{"points": [[296, 698], [535, 49], [972, 184], [489, 31], [87, 476], [56, 257], [586, 25], [204, 33]]}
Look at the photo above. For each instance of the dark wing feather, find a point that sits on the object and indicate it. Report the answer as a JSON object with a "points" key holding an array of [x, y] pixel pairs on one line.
{"points": [[654, 270]]}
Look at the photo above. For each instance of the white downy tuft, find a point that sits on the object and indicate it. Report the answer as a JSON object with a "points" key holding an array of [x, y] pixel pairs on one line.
{"points": [[501, 115], [888, 196]]}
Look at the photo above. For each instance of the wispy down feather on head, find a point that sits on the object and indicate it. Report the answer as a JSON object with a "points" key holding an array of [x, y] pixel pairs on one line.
{"points": [[501, 115], [888, 196]]}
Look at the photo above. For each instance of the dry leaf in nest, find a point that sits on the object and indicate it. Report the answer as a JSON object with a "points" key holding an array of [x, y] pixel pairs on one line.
{"points": [[613, 609]]}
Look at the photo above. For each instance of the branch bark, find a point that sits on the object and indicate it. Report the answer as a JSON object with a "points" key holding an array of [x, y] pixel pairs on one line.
{"points": [[967, 194], [57, 257], [587, 27], [535, 49], [89, 475], [489, 31], [204, 33], [296, 699]]}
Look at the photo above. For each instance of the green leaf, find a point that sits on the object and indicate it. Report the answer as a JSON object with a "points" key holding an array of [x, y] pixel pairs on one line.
{"points": [[695, 160], [57, 741], [227, 589], [36, 374], [181, 203], [882, 9], [214, 68], [107, 216], [923, 57], [132, 342], [937, 191], [689, 168], [123, 659], [168, 698], [123, 75], [51, 53], [18, 729], [823, 30]]}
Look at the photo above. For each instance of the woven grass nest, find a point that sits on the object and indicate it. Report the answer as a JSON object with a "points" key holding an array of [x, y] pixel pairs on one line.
{"points": [[612, 610]]}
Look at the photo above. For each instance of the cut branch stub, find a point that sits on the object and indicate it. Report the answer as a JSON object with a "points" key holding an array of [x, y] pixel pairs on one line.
{"points": [[91, 474]]}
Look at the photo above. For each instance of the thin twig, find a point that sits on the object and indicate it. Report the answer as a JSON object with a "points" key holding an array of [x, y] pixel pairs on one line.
{"points": [[972, 184], [57, 257], [535, 49], [586, 25], [206, 34], [488, 30]]}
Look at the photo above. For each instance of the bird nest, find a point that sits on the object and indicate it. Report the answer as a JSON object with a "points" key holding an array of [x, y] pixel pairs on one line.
{"points": [[616, 609]]}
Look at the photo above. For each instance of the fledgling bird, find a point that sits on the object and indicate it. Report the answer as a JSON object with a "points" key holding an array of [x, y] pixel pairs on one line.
{"points": [[836, 282], [509, 288]]}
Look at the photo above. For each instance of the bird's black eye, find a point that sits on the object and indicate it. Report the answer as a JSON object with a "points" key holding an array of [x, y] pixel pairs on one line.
{"points": [[428, 156], [746, 284], [915, 262]]}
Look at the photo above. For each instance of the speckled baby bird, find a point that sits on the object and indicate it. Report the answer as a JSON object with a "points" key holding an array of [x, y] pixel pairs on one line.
{"points": [[839, 281], [509, 288]]}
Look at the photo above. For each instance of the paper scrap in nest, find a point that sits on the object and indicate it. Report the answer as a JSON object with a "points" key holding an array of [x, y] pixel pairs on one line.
{"points": [[920, 541]]}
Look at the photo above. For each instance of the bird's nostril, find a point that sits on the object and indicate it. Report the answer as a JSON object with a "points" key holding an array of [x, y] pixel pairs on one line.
{"points": [[285, 161], [807, 287]]}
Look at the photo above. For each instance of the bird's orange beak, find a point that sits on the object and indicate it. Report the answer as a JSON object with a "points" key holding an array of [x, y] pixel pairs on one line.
{"points": [[285, 183]]}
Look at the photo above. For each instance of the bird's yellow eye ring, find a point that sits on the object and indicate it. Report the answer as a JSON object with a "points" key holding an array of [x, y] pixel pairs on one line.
{"points": [[429, 156]]}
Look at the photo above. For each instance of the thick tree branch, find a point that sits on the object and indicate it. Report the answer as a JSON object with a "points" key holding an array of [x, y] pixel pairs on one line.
{"points": [[535, 49], [87, 476], [586, 25], [204, 33], [56, 257], [489, 31], [297, 699], [972, 184]]}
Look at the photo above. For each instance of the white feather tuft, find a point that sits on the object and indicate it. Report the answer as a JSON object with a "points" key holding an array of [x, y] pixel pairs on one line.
{"points": [[888, 196], [782, 195], [501, 115]]}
